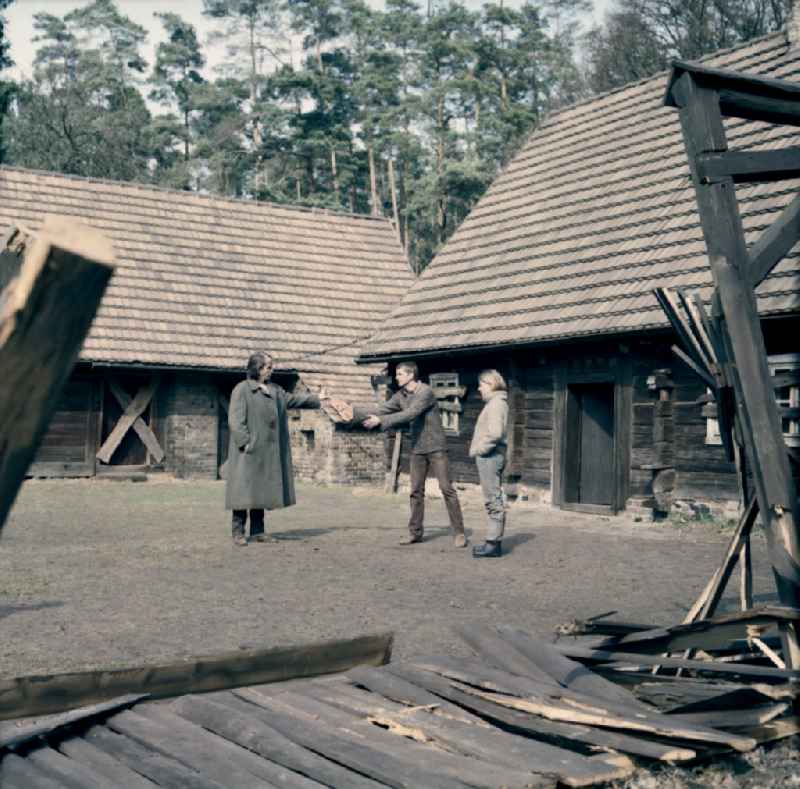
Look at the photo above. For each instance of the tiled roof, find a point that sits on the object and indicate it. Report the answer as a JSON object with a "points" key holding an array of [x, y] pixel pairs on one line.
{"points": [[203, 281], [595, 211]]}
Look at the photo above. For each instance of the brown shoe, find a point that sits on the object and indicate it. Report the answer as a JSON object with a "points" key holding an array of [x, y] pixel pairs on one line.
{"points": [[410, 540], [240, 540], [259, 538], [460, 541]]}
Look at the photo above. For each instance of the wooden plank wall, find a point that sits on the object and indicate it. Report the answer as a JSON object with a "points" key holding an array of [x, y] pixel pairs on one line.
{"points": [[703, 472], [533, 459], [68, 446]]}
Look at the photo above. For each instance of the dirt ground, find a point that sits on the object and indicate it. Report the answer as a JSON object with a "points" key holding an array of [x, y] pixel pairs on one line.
{"points": [[109, 574]]}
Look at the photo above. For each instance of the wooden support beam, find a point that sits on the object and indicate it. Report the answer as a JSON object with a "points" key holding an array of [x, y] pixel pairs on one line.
{"points": [[738, 104], [712, 330], [139, 426], [746, 577], [695, 315], [679, 324], [391, 476], [757, 411], [45, 314], [744, 670], [692, 365], [131, 418], [42, 695], [755, 85], [774, 243], [749, 166], [706, 604]]}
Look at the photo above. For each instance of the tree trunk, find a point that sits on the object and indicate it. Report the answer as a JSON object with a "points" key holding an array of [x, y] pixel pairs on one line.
{"points": [[393, 188], [373, 181], [334, 173]]}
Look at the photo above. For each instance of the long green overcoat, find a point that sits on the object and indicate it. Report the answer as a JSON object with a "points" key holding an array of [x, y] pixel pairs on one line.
{"points": [[259, 472]]}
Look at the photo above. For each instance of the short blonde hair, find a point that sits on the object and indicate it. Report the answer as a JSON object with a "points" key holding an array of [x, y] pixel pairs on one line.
{"points": [[493, 378]]}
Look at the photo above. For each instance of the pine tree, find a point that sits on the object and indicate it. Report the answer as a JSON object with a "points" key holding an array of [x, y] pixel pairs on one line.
{"points": [[6, 88], [175, 79], [82, 112]]}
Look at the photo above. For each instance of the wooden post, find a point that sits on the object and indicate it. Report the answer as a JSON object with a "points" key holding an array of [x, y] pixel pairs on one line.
{"points": [[45, 313], [757, 411], [391, 477]]}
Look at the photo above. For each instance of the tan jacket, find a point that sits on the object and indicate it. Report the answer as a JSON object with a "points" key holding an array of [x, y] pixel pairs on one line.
{"points": [[491, 429]]}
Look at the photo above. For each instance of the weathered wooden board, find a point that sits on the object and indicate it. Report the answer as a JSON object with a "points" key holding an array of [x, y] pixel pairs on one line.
{"points": [[411, 769], [41, 319], [475, 739], [706, 666], [165, 732], [19, 773], [708, 634], [41, 695], [566, 672], [69, 773], [548, 730], [393, 687], [654, 724], [247, 725], [445, 766], [15, 733], [115, 772], [495, 651], [735, 719], [133, 408], [162, 770]]}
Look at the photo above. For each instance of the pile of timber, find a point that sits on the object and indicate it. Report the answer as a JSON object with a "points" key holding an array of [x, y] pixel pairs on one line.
{"points": [[523, 712]]}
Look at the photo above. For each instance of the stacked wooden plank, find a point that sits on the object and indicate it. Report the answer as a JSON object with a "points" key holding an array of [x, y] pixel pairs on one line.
{"points": [[523, 713]]}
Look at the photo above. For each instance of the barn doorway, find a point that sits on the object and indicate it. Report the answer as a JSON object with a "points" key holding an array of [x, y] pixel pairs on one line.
{"points": [[589, 458], [593, 411]]}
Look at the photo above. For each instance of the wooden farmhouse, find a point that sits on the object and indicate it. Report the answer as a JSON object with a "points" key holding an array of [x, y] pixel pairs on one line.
{"points": [[550, 280], [200, 284]]}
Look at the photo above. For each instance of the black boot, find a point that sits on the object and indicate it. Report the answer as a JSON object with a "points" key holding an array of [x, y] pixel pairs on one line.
{"points": [[489, 550]]}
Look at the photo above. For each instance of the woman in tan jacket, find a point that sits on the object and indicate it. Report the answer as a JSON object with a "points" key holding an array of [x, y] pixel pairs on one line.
{"points": [[488, 447]]}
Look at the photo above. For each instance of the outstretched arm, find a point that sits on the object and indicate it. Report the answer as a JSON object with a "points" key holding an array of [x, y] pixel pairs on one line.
{"points": [[393, 404], [424, 401], [306, 400]]}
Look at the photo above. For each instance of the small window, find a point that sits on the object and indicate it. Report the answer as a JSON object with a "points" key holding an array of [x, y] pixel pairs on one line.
{"points": [[786, 370], [309, 440], [448, 394]]}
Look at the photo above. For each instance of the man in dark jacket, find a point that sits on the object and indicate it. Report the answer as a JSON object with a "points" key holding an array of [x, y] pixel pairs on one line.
{"points": [[415, 405]]}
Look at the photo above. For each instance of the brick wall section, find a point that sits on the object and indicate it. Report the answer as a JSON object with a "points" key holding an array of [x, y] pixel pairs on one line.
{"points": [[191, 426], [325, 453]]}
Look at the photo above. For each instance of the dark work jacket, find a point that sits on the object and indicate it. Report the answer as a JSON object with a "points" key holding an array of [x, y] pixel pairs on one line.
{"points": [[259, 473], [421, 412]]}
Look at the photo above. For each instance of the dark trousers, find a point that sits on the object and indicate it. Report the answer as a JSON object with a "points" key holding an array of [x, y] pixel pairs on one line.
{"points": [[240, 519], [437, 463]]}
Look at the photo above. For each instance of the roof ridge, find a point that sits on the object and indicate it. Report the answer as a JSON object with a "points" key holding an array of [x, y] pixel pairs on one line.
{"points": [[210, 197]]}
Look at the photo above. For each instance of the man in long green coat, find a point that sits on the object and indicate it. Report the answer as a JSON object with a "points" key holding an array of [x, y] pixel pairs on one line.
{"points": [[259, 469]]}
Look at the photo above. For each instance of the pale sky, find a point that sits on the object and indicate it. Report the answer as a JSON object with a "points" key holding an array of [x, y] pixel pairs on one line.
{"points": [[20, 15]]}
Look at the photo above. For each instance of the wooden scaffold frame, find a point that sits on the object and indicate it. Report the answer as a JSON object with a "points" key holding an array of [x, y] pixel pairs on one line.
{"points": [[727, 348]]}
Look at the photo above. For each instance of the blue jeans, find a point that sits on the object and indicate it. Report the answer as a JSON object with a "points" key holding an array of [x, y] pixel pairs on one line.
{"points": [[490, 471]]}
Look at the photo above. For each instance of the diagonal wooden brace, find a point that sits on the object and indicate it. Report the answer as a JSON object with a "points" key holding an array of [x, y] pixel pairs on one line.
{"points": [[133, 408]]}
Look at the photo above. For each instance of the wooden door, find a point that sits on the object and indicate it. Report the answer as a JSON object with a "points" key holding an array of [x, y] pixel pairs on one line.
{"points": [[589, 445]]}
